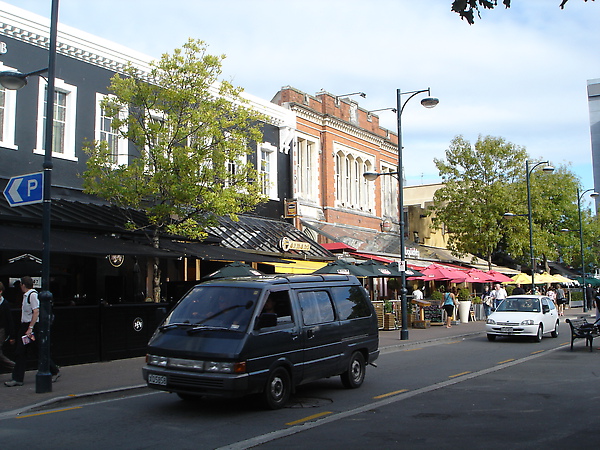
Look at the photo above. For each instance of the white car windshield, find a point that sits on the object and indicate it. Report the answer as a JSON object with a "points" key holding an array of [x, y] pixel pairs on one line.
{"points": [[520, 304]]}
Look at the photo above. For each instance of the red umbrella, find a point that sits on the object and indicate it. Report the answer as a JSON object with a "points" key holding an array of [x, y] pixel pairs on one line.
{"points": [[436, 272], [499, 277], [479, 276]]}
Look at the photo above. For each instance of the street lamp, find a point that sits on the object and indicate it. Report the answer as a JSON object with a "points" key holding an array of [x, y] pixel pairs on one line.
{"points": [[428, 102], [548, 168], [580, 195], [17, 80]]}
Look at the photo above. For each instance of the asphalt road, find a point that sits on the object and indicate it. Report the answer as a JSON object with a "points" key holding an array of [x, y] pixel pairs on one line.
{"points": [[467, 392]]}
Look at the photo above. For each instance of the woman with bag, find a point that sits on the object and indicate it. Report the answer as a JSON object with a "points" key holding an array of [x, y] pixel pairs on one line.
{"points": [[450, 303]]}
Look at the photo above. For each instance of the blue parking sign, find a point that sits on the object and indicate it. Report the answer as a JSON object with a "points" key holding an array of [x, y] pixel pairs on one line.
{"points": [[25, 189]]}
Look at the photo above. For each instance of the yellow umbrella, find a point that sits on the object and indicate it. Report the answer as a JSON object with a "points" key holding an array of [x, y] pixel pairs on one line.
{"points": [[562, 279], [521, 278], [545, 277]]}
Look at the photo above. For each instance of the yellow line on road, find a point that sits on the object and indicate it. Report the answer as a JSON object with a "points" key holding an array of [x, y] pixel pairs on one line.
{"points": [[306, 419], [48, 412], [453, 342], [539, 351], [389, 394], [505, 361], [565, 343], [458, 374]]}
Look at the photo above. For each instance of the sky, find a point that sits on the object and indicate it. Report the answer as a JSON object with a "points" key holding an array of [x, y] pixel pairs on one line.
{"points": [[518, 73]]}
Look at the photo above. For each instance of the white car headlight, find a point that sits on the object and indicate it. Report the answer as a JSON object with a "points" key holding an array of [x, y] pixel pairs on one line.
{"points": [[528, 322], [491, 322]]}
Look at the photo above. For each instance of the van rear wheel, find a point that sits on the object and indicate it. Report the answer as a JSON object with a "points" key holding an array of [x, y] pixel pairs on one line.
{"points": [[355, 375], [278, 389]]}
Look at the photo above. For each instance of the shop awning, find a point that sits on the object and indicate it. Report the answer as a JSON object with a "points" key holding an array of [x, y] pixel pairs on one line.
{"points": [[214, 252], [29, 239], [373, 257], [298, 267]]}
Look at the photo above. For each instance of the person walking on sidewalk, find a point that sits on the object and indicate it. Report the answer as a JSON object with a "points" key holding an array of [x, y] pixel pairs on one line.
{"points": [[450, 303], [30, 312], [7, 333], [499, 294]]}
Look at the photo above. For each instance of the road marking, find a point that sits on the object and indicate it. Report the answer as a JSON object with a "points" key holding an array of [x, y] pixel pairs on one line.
{"points": [[269, 437], [453, 342], [309, 418], [459, 374], [565, 343], [389, 394], [48, 412], [538, 351], [411, 349], [505, 361]]}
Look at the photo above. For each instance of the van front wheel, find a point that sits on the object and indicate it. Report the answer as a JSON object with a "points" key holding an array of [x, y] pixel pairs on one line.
{"points": [[355, 375], [278, 389]]}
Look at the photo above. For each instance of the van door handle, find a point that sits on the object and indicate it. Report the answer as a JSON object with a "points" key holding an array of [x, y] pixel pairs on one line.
{"points": [[310, 334], [294, 335]]}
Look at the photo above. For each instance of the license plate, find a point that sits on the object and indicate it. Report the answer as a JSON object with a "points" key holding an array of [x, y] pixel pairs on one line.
{"points": [[506, 329], [161, 380]]}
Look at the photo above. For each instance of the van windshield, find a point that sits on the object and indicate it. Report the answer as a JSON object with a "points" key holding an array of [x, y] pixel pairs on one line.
{"points": [[219, 307]]}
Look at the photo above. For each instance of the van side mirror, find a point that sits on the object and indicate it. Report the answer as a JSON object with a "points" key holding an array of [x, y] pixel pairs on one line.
{"points": [[266, 320]]}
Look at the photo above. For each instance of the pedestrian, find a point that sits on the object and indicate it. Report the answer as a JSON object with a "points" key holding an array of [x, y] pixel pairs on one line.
{"points": [[7, 333], [560, 300], [499, 294], [518, 290], [589, 297], [488, 300], [417, 294], [26, 337], [597, 300], [450, 303]]}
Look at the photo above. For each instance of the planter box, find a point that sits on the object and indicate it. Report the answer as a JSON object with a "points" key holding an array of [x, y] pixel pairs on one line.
{"points": [[421, 324]]}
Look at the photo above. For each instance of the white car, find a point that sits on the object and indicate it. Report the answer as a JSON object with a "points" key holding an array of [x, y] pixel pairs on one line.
{"points": [[523, 315]]}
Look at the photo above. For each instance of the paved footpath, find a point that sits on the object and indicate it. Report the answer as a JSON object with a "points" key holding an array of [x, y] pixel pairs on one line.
{"points": [[125, 375]]}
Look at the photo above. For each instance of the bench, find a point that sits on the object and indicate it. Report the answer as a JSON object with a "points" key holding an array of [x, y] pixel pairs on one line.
{"points": [[582, 329]]}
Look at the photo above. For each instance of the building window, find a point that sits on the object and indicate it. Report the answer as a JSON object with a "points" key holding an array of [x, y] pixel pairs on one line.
{"points": [[63, 132], [117, 145], [389, 193], [352, 190], [8, 103], [306, 169], [267, 167]]}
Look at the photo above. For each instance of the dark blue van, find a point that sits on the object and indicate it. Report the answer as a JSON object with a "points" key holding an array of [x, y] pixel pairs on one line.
{"points": [[264, 335]]}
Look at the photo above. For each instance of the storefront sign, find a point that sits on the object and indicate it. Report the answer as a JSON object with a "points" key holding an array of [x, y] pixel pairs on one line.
{"points": [[116, 260], [291, 209], [138, 324], [286, 244], [411, 252]]}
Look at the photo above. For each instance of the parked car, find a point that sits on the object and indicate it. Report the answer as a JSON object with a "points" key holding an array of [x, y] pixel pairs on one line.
{"points": [[523, 315], [264, 335]]}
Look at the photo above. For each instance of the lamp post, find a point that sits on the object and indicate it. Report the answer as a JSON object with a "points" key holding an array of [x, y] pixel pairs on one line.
{"points": [[580, 195], [428, 102], [17, 80], [528, 171]]}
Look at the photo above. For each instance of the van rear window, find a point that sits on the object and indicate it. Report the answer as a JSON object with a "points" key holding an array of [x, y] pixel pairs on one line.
{"points": [[351, 302]]}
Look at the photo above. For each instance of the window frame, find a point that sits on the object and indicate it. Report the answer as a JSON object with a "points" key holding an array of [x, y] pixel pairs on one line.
{"points": [[7, 125], [122, 156], [70, 119]]}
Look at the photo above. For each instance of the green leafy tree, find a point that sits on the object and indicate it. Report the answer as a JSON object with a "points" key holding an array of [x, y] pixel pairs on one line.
{"points": [[553, 207], [476, 192], [467, 8], [192, 134]]}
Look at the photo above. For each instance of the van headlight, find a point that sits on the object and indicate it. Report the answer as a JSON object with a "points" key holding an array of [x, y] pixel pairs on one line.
{"points": [[224, 367], [160, 361]]}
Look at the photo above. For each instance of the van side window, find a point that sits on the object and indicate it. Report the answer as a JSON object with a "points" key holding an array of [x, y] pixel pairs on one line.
{"points": [[279, 303], [316, 307], [351, 302]]}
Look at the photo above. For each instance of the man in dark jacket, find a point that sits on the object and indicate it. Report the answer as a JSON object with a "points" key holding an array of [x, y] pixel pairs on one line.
{"points": [[7, 332]]}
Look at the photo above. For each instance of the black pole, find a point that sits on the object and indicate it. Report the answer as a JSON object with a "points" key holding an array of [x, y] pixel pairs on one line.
{"points": [[43, 380]]}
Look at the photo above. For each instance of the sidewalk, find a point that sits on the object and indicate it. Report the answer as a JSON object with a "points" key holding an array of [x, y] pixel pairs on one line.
{"points": [[101, 378]]}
